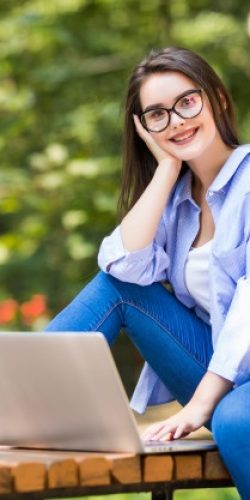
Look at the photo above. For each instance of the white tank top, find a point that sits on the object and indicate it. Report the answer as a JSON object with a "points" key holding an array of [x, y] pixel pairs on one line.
{"points": [[196, 275]]}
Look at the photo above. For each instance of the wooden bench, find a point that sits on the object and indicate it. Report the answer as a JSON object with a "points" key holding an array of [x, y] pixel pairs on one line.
{"points": [[28, 474]]}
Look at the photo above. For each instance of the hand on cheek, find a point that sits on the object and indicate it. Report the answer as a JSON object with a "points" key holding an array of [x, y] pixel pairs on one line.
{"points": [[154, 145]]}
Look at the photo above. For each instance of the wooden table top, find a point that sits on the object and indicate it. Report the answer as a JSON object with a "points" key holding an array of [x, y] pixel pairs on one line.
{"points": [[23, 470]]}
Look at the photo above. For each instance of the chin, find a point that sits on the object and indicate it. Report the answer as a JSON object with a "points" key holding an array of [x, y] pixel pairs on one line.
{"points": [[190, 153], [186, 155]]}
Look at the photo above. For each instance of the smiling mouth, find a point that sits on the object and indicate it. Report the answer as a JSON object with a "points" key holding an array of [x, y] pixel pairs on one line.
{"points": [[184, 137]]}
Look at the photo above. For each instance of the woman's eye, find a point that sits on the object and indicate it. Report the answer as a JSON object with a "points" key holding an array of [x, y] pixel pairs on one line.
{"points": [[187, 102], [157, 114]]}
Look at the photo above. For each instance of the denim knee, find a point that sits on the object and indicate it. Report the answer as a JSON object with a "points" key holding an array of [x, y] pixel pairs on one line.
{"points": [[231, 417], [231, 429], [228, 421]]}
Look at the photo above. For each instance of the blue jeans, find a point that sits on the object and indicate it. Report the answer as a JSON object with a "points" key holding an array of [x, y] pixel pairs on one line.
{"points": [[177, 345]]}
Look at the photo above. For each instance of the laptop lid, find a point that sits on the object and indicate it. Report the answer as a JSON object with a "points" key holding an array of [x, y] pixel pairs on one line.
{"points": [[62, 391]]}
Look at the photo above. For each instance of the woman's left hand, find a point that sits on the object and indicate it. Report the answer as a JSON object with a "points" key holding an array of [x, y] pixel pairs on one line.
{"points": [[196, 413], [187, 420]]}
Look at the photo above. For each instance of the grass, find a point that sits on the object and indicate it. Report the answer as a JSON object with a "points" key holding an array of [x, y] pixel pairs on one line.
{"points": [[199, 494]]}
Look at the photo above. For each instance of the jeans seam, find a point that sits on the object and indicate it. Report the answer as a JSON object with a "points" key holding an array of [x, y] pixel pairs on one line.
{"points": [[152, 317], [100, 322]]}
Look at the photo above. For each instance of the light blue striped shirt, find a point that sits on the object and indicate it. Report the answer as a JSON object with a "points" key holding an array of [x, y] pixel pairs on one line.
{"points": [[229, 269]]}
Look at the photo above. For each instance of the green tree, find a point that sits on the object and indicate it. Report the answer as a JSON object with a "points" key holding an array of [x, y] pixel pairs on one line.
{"points": [[64, 66]]}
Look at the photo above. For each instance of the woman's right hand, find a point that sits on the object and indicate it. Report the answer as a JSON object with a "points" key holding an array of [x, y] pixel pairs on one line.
{"points": [[160, 155]]}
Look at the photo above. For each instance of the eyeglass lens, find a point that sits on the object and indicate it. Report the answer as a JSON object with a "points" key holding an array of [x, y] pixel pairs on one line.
{"points": [[188, 106]]}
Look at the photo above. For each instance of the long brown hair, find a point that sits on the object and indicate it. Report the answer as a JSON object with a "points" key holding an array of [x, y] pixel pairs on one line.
{"points": [[138, 163]]}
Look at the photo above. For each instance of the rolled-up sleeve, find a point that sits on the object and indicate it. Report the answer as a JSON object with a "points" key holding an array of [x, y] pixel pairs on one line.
{"points": [[144, 266], [231, 358]]}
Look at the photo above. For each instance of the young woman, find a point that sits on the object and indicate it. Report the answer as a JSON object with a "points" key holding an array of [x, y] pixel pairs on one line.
{"points": [[186, 206]]}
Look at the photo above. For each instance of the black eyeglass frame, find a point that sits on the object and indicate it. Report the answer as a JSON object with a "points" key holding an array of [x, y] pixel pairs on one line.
{"points": [[172, 109]]}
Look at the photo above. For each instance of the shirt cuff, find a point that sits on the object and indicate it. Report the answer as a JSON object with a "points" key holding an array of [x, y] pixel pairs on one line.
{"points": [[112, 250], [223, 370]]}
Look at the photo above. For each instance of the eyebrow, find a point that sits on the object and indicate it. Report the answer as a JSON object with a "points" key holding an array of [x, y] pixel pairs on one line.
{"points": [[161, 105]]}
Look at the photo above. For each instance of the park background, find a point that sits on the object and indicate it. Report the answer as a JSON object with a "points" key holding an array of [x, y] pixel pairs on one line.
{"points": [[64, 67]]}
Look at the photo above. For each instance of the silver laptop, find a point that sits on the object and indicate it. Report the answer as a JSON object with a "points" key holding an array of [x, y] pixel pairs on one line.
{"points": [[63, 391]]}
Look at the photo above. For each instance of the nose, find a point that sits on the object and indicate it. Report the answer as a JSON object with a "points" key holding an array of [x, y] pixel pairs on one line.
{"points": [[176, 120]]}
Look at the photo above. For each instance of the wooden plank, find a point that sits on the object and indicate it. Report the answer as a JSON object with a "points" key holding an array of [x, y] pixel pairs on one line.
{"points": [[29, 477], [188, 466], [5, 479], [63, 473], [214, 467], [125, 469], [157, 468], [94, 471]]}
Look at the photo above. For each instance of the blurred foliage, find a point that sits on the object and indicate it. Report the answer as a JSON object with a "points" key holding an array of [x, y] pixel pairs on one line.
{"points": [[64, 66]]}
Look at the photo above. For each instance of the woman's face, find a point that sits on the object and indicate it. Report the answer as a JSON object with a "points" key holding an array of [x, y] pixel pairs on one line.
{"points": [[184, 138]]}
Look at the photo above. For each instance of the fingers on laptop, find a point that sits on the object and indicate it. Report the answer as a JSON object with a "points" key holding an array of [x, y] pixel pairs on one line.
{"points": [[153, 432]]}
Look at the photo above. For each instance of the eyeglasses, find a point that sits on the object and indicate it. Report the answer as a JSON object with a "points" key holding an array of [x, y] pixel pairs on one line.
{"points": [[188, 105]]}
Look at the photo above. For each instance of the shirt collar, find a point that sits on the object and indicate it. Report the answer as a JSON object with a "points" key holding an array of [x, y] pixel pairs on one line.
{"points": [[183, 190], [229, 168]]}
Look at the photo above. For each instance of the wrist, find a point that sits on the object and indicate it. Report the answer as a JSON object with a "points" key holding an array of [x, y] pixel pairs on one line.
{"points": [[169, 168], [204, 407], [211, 390]]}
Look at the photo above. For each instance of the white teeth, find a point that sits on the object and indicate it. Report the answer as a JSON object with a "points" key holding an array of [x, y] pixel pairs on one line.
{"points": [[184, 136]]}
